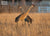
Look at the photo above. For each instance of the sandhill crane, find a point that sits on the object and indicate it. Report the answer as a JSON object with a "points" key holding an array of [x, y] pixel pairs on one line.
{"points": [[28, 18], [24, 16]]}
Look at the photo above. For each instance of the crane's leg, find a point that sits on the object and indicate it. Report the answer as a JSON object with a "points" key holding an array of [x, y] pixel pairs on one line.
{"points": [[29, 24], [16, 25], [23, 22]]}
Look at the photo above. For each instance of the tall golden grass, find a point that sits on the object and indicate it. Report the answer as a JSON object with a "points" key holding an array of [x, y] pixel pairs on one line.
{"points": [[39, 27]]}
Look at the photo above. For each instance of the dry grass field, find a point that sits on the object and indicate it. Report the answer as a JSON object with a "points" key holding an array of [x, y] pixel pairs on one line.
{"points": [[39, 27]]}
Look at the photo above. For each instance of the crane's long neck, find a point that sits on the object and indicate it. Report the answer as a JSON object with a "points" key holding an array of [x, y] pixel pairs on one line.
{"points": [[28, 10]]}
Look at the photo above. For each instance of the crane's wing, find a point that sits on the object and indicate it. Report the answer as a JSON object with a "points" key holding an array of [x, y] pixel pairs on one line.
{"points": [[28, 19]]}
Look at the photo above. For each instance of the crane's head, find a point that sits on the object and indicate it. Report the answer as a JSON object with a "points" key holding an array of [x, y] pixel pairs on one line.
{"points": [[33, 5]]}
